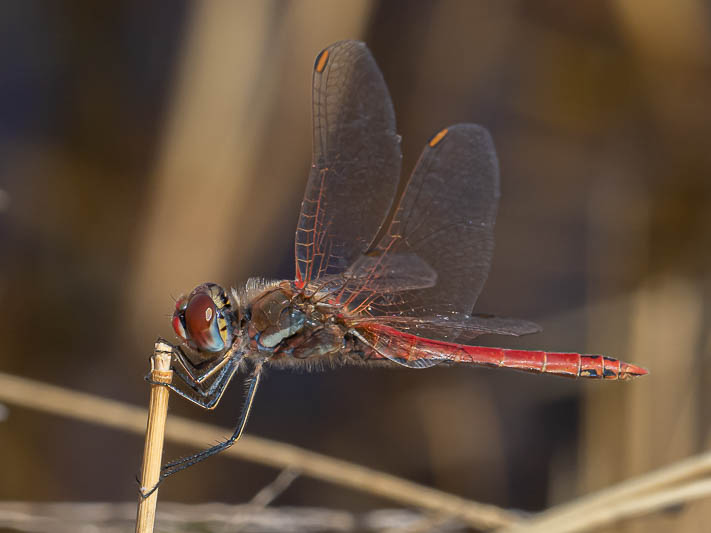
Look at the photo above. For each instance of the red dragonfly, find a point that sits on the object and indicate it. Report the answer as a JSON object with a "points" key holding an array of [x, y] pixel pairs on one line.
{"points": [[381, 278]]}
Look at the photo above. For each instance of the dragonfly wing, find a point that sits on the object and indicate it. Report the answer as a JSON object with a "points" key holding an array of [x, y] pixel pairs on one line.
{"points": [[373, 278], [452, 327], [355, 166], [398, 347], [391, 273], [446, 217]]}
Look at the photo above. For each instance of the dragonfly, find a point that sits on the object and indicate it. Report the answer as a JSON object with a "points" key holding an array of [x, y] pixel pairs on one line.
{"points": [[385, 275]]}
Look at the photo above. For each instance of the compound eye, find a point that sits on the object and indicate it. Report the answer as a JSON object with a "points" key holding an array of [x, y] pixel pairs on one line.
{"points": [[179, 327], [201, 323], [179, 318]]}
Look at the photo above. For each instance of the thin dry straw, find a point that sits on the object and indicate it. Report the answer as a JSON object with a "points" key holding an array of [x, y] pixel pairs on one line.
{"points": [[618, 501], [90, 408], [155, 433], [637, 506], [71, 517], [644, 494]]}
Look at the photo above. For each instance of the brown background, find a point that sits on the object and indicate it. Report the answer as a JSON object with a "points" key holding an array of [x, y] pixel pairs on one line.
{"points": [[147, 147]]}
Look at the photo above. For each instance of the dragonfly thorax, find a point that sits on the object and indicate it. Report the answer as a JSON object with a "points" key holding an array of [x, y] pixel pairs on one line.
{"points": [[273, 317]]}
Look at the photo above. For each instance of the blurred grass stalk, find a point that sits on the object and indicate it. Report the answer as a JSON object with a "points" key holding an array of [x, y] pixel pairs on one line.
{"points": [[71, 517], [675, 484], [97, 410]]}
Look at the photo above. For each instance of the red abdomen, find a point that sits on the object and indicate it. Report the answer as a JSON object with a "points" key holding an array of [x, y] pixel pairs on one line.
{"points": [[411, 350]]}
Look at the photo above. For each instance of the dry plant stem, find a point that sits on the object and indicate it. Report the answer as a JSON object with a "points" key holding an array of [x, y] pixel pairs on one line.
{"points": [[644, 494], [272, 491], [90, 408], [155, 432], [642, 505], [557, 518], [71, 517]]}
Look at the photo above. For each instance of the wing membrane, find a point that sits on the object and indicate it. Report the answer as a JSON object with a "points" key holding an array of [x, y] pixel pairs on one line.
{"points": [[356, 162], [452, 326], [404, 344], [430, 254], [447, 216]]}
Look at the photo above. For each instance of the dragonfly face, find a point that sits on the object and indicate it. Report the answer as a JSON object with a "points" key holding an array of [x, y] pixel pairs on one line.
{"points": [[205, 319]]}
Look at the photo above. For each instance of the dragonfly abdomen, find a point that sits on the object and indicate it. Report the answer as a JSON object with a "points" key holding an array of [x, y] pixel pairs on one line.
{"points": [[572, 365], [419, 352]]}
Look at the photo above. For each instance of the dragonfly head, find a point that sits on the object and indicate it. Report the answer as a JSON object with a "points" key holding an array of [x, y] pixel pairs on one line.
{"points": [[205, 319]]}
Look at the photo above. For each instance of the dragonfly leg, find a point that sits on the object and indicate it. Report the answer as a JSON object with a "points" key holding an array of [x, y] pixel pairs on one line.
{"points": [[195, 376], [197, 373], [199, 383], [199, 392], [208, 397], [181, 464]]}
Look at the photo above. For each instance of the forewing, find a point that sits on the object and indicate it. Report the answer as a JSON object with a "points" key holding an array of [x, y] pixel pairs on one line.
{"points": [[355, 166]]}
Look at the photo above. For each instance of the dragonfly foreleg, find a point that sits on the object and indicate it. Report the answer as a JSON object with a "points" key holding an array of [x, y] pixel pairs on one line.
{"points": [[208, 397], [199, 391], [199, 382], [197, 373]]}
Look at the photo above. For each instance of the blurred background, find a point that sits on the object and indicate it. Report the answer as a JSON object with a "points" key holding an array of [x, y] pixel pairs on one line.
{"points": [[148, 147]]}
